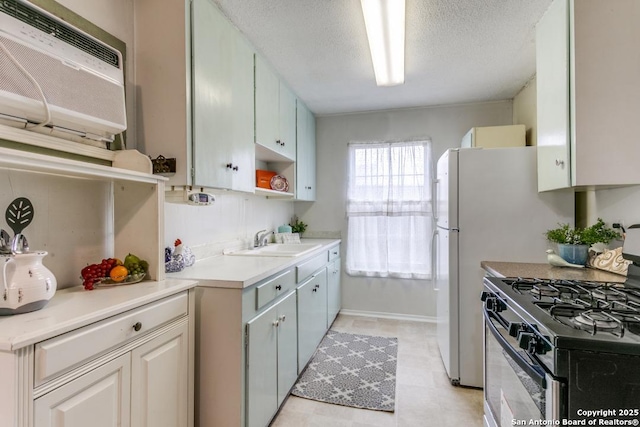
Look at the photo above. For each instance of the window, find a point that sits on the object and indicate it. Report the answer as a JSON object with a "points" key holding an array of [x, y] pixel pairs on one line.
{"points": [[389, 210]]}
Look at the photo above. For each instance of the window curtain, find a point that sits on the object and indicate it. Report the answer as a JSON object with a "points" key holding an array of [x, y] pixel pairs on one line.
{"points": [[389, 207]]}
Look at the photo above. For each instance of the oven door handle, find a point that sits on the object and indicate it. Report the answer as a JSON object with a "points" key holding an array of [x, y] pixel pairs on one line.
{"points": [[536, 373]]}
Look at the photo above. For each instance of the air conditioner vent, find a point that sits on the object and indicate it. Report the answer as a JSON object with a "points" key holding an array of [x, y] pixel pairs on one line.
{"points": [[44, 23]]}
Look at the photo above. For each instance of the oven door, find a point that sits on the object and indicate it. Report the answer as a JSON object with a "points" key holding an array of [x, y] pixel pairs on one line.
{"points": [[515, 386]]}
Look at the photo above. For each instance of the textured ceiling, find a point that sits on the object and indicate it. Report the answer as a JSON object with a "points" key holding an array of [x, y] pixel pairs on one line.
{"points": [[457, 51]]}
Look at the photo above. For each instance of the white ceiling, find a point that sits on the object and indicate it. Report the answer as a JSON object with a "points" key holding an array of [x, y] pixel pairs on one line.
{"points": [[457, 51]]}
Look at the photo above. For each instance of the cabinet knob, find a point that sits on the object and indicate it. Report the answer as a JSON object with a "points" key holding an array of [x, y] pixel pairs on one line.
{"points": [[137, 326], [314, 290], [317, 286], [276, 323], [235, 168], [559, 162], [278, 287], [283, 318], [278, 142], [229, 165]]}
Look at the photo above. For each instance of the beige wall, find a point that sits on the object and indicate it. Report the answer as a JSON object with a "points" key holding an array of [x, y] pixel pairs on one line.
{"points": [[445, 125], [524, 110]]}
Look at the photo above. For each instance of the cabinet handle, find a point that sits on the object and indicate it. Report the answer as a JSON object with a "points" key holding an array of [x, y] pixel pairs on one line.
{"points": [[278, 287], [137, 326], [229, 165], [317, 286], [278, 142], [235, 168], [559, 162], [283, 318], [276, 323], [314, 290]]}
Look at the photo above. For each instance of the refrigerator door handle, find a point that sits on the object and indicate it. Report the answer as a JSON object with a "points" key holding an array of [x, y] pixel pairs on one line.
{"points": [[434, 260]]}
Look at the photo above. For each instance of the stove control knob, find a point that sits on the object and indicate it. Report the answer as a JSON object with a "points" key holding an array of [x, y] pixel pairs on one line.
{"points": [[484, 295], [526, 339], [495, 305], [515, 328], [532, 343]]}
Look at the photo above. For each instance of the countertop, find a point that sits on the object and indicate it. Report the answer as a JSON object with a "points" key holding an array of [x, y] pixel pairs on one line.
{"points": [[72, 308], [546, 271], [238, 272]]}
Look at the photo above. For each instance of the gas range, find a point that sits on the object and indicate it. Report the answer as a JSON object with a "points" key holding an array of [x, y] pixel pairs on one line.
{"points": [[569, 345], [595, 307], [571, 314]]}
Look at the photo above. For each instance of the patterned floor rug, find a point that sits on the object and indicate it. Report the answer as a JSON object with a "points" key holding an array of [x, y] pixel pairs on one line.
{"points": [[352, 370]]}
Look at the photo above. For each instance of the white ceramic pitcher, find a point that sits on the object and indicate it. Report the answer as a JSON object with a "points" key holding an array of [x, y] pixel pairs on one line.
{"points": [[27, 285]]}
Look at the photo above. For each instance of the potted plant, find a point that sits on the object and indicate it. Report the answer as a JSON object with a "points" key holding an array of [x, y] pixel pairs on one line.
{"points": [[574, 243], [297, 226]]}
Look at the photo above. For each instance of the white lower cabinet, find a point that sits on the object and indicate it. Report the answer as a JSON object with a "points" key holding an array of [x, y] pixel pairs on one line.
{"points": [[271, 360], [144, 380], [253, 342], [312, 315], [159, 380], [334, 298], [99, 398]]}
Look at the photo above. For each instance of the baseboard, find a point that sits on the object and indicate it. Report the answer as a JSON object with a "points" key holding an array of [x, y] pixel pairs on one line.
{"points": [[383, 315]]}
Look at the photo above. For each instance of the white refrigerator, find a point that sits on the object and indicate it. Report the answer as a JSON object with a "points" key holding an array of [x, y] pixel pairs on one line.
{"points": [[487, 209]]}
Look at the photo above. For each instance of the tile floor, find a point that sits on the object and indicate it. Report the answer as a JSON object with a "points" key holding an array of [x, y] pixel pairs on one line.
{"points": [[424, 396]]}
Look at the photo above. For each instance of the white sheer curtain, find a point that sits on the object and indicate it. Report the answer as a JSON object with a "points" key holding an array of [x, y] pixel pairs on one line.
{"points": [[389, 209]]}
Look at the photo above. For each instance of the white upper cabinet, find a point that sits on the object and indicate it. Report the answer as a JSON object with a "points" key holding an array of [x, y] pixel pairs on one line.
{"points": [[588, 94], [306, 154], [198, 110], [275, 114], [223, 113]]}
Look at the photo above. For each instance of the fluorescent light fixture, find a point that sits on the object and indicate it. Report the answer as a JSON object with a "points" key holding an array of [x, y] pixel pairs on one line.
{"points": [[384, 20]]}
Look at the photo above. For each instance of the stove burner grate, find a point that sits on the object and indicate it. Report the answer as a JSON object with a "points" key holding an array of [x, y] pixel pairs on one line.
{"points": [[593, 321]]}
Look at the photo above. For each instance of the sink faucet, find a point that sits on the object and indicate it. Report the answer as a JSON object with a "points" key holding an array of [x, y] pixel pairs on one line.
{"points": [[261, 238]]}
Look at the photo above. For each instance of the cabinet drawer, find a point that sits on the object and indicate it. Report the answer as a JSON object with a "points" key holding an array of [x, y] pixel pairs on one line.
{"points": [[307, 268], [274, 287], [59, 354], [334, 253]]}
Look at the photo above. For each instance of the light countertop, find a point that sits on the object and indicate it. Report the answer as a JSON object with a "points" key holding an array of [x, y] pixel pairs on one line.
{"points": [[238, 272], [546, 271], [72, 308]]}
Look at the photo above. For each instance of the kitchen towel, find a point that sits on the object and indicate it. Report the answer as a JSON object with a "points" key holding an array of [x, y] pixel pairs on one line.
{"points": [[352, 370]]}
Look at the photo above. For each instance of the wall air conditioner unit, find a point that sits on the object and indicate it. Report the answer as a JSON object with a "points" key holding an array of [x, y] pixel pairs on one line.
{"points": [[80, 77]]}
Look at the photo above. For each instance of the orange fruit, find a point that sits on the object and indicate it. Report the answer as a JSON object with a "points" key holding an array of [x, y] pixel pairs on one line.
{"points": [[118, 273]]}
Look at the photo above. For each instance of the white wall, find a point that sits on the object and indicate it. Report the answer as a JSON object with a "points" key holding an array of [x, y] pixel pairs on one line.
{"points": [[232, 216], [617, 205], [72, 220], [445, 125], [524, 110]]}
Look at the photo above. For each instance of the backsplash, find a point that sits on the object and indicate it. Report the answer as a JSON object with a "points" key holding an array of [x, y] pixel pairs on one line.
{"points": [[73, 220], [231, 221]]}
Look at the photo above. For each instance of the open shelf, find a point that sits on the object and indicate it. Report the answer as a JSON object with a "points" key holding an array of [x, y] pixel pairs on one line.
{"points": [[273, 193]]}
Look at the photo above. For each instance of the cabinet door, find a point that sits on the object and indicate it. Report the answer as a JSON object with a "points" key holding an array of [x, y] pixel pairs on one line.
{"points": [[333, 291], [267, 94], [262, 378], [287, 126], [287, 346], [99, 398], [160, 373], [312, 316], [552, 74], [305, 154], [222, 101]]}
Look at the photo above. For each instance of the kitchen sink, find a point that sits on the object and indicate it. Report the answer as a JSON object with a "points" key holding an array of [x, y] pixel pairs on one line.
{"points": [[279, 249]]}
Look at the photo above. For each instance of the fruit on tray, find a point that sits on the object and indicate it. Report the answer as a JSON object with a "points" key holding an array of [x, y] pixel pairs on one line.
{"points": [[113, 269]]}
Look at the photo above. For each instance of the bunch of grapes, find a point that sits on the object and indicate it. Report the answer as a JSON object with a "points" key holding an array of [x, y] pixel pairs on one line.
{"points": [[94, 272], [136, 268]]}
